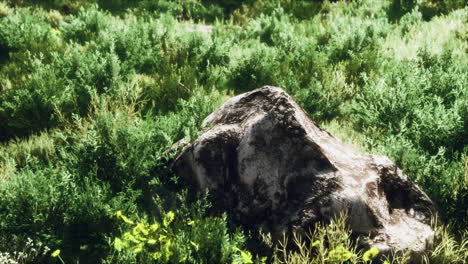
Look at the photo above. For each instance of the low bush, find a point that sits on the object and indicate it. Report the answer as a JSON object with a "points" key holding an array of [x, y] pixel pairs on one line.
{"points": [[93, 93]]}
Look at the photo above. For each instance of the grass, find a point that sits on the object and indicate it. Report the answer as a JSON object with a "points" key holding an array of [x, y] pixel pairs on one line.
{"points": [[332, 243], [93, 93]]}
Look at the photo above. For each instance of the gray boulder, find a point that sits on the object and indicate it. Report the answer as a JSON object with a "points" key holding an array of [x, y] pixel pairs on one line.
{"points": [[270, 166]]}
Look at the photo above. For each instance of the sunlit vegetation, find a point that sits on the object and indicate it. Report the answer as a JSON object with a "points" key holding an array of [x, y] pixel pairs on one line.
{"points": [[93, 93]]}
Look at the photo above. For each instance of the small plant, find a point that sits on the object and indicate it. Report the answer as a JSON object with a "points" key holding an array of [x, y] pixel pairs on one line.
{"points": [[31, 252], [56, 254], [4, 9], [370, 254], [54, 18], [448, 249], [6, 258], [340, 254], [173, 240], [326, 244]]}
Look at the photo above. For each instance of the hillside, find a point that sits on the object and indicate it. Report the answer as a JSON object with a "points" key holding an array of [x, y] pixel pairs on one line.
{"points": [[93, 93]]}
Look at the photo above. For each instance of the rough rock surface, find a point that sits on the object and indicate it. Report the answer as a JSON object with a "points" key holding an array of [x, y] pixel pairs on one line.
{"points": [[269, 165]]}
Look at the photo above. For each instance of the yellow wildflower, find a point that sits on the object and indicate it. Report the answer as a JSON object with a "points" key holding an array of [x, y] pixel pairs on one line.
{"points": [[340, 253], [246, 257], [140, 228], [370, 254], [137, 250], [195, 245], [118, 244], [126, 220], [169, 218], [167, 249], [157, 255], [154, 227], [55, 31], [129, 236], [56, 253]]}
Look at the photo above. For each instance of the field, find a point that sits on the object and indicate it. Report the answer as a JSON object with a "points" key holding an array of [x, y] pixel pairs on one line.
{"points": [[93, 93]]}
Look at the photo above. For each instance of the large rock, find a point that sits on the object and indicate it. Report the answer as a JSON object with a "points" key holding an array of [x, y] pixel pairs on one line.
{"points": [[266, 163]]}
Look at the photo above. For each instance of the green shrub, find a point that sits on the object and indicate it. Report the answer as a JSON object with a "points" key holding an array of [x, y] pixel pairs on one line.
{"points": [[86, 25], [23, 29], [116, 159], [398, 8], [93, 93], [419, 109], [193, 9], [414, 99], [255, 68], [431, 8]]}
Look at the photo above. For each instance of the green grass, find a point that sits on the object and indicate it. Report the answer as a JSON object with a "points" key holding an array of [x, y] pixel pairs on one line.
{"points": [[93, 93]]}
